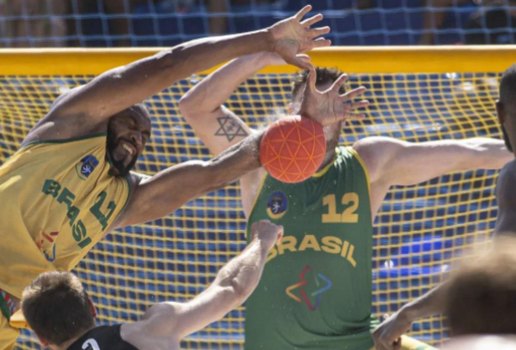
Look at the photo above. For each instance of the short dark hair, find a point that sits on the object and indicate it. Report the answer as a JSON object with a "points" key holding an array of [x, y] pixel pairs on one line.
{"points": [[508, 85], [324, 76], [57, 307], [481, 295]]}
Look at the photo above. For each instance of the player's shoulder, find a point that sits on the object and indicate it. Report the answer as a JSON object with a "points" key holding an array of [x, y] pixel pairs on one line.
{"points": [[374, 150], [375, 142], [102, 337]]}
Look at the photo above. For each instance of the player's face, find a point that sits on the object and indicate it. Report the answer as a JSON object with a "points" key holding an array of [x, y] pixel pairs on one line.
{"points": [[128, 132]]}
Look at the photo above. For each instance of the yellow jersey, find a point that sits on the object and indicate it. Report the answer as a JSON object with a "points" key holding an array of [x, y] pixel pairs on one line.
{"points": [[58, 201]]}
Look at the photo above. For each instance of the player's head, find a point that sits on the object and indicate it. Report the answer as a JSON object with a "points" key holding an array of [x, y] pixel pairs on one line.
{"points": [[325, 78], [57, 307], [506, 106], [127, 133], [481, 294]]}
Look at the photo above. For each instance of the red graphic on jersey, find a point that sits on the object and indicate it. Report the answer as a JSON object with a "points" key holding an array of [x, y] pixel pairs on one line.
{"points": [[46, 244]]}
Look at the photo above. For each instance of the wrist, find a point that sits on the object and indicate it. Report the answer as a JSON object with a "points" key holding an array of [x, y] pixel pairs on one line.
{"points": [[409, 313], [265, 245], [264, 59], [270, 40]]}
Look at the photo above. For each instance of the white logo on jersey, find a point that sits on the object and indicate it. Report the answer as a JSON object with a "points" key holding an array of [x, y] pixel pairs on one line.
{"points": [[90, 344]]}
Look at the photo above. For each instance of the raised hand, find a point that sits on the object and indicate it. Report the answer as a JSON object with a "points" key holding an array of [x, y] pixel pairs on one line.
{"points": [[329, 106], [267, 232], [293, 36]]}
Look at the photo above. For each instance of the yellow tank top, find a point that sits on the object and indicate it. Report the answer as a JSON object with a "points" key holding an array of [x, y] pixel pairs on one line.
{"points": [[58, 200]]}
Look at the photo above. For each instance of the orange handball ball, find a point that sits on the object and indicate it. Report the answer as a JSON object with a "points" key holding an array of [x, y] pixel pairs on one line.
{"points": [[292, 149]]}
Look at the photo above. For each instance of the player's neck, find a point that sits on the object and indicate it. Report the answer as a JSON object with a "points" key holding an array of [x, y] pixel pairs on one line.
{"points": [[66, 344], [328, 158]]}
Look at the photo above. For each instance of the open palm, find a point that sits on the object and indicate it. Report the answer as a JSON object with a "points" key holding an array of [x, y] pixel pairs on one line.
{"points": [[293, 36], [329, 106]]}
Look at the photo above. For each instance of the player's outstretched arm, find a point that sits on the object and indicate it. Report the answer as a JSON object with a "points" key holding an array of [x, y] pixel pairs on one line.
{"points": [[202, 106], [387, 336], [122, 87], [233, 285], [397, 162], [159, 195], [217, 126]]}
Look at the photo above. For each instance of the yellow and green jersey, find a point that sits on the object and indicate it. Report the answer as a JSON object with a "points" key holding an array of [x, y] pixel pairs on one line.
{"points": [[315, 292], [58, 201]]}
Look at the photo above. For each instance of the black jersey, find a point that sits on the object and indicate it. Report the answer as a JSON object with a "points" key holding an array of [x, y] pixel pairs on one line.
{"points": [[102, 338]]}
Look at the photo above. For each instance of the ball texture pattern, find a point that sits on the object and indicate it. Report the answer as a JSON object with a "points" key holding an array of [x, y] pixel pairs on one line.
{"points": [[292, 149]]}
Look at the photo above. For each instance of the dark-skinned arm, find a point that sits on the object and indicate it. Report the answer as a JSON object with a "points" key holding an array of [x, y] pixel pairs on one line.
{"points": [[87, 108]]}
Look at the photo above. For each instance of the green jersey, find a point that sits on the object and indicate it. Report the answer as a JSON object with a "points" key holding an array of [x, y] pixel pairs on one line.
{"points": [[315, 292]]}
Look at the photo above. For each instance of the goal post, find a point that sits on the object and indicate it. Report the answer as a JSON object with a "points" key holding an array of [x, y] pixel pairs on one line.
{"points": [[416, 94]]}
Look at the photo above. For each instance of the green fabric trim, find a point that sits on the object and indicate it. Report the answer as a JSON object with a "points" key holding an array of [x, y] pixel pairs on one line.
{"points": [[4, 308]]}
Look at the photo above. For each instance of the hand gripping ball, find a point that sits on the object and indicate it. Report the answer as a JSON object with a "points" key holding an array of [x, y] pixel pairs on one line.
{"points": [[292, 148]]}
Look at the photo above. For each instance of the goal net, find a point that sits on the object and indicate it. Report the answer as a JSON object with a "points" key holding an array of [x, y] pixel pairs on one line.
{"points": [[416, 95]]}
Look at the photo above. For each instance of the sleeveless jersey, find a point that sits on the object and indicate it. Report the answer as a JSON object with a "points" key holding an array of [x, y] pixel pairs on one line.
{"points": [[102, 338], [58, 201], [315, 292]]}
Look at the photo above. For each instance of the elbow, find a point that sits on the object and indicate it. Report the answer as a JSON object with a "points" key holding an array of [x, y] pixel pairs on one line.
{"points": [[241, 291]]}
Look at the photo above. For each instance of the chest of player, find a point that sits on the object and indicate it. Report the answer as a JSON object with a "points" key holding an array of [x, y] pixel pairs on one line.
{"points": [[328, 214]]}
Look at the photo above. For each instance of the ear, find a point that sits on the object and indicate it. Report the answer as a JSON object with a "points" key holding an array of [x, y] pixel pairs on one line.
{"points": [[500, 111], [43, 341], [93, 309]]}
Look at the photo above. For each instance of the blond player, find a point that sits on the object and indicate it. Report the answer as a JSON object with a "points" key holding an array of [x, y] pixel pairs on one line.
{"points": [[316, 290]]}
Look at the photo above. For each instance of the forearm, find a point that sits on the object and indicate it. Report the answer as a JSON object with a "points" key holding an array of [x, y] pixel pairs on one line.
{"points": [[231, 287], [428, 304], [487, 153], [209, 94], [242, 274], [406, 163], [236, 161], [200, 54], [122, 87], [166, 191]]}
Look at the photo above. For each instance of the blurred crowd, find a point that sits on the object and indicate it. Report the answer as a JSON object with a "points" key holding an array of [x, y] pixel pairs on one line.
{"points": [[42, 23]]}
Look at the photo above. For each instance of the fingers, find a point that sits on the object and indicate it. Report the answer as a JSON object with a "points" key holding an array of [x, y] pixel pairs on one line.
{"points": [[349, 110], [353, 93], [302, 61], [321, 42], [312, 78], [360, 104], [312, 20], [303, 12], [339, 82], [354, 116], [315, 32], [304, 57], [396, 345]]}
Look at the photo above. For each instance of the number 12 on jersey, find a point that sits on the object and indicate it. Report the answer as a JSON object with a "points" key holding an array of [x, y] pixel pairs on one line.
{"points": [[348, 215]]}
